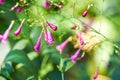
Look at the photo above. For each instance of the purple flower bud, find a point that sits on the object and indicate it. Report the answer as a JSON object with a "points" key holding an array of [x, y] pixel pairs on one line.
{"points": [[38, 44], [14, 7], [17, 32], [2, 1], [7, 32], [47, 4], [1, 37], [20, 9], [60, 6], [95, 75], [62, 46], [50, 39], [85, 13], [74, 27], [74, 57], [52, 26], [45, 35]]}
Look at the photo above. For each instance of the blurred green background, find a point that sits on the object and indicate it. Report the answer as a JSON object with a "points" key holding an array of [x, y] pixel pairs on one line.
{"points": [[19, 61]]}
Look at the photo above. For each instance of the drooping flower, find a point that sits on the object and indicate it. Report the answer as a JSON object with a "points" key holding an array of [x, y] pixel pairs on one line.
{"points": [[95, 75], [80, 38], [85, 13], [62, 46], [1, 36], [47, 4], [14, 7], [52, 26], [2, 1], [20, 9], [38, 43], [50, 39], [17, 32], [7, 32], [74, 57]]}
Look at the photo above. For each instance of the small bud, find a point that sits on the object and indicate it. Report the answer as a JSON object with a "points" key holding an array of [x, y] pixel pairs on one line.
{"points": [[17, 32], [52, 26], [74, 27], [60, 6], [74, 57], [14, 7], [85, 13], [20, 9], [2, 1], [46, 4]]}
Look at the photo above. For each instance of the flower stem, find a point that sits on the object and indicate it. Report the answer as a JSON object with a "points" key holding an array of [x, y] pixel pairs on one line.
{"points": [[62, 75], [61, 65]]}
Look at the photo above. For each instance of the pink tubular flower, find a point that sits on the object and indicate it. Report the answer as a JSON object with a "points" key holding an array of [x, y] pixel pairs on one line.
{"points": [[85, 13], [2, 1], [14, 7], [95, 75], [50, 39], [80, 37], [7, 32], [1, 37], [74, 57], [62, 46], [46, 4], [52, 26], [17, 32], [38, 44], [20, 9]]}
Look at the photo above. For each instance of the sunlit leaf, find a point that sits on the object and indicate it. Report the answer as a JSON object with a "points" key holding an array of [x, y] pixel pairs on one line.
{"points": [[20, 45]]}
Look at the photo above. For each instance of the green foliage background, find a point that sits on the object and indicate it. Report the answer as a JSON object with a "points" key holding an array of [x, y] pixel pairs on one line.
{"points": [[19, 61]]}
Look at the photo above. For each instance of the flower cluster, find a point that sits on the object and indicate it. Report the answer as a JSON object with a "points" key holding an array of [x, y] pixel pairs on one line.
{"points": [[83, 40], [5, 36], [17, 7], [47, 36]]}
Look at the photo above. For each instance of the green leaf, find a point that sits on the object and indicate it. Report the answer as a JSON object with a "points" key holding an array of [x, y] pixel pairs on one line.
{"points": [[19, 57], [22, 74], [2, 78], [20, 45], [67, 64], [6, 68]]}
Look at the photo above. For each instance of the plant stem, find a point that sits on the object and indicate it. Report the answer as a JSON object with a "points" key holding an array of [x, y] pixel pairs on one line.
{"points": [[62, 75], [61, 65]]}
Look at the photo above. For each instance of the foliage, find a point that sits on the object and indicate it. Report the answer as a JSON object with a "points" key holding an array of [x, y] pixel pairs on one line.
{"points": [[82, 38]]}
